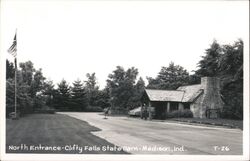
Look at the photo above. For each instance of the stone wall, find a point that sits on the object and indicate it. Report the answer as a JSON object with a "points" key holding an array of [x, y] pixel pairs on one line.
{"points": [[195, 107]]}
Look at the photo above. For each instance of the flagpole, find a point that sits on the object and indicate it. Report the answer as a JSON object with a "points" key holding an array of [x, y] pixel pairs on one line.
{"points": [[16, 79], [15, 88], [13, 51]]}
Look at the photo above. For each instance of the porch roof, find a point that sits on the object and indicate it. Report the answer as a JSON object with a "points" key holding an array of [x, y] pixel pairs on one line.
{"points": [[182, 94], [164, 95]]}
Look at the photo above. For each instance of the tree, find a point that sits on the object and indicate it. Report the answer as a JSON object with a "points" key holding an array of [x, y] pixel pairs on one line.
{"points": [[79, 99], [49, 92], [138, 92], [10, 70], [24, 101], [36, 87], [226, 63], [91, 83], [10, 73], [92, 89], [194, 79], [10, 96], [231, 74], [208, 65], [231, 61], [37, 84], [27, 70], [121, 86], [103, 98], [170, 77], [62, 96]]}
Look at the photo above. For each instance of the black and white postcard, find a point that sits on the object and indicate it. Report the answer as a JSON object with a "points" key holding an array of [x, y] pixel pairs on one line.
{"points": [[124, 80]]}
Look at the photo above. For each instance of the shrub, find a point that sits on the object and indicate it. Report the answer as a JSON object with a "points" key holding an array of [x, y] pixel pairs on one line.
{"points": [[46, 110], [170, 115], [62, 108], [119, 111], [50, 111], [173, 114], [227, 114], [184, 113], [39, 102], [94, 109], [187, 114]]}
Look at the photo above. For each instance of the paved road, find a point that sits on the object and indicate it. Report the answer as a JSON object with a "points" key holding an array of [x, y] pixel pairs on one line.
{"points": [[152, 137]]}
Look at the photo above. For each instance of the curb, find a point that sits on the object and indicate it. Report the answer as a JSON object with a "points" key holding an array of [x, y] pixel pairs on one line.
{"points": [[200, 123], [196, 123]]}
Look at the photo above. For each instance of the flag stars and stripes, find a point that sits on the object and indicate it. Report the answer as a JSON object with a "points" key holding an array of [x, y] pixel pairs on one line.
{"points": [[13, 48]]}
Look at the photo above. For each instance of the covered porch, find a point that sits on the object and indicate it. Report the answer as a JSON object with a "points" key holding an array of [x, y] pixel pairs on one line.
{"points": [[162, 108]]}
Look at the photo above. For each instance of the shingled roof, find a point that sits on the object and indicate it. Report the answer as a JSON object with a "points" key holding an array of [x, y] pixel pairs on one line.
{"points": [[182, 94], [164, 95], [191, 92]]}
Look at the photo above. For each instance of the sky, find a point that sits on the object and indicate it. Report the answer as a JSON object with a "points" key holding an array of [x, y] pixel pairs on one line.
{"points": [[68, 39]]}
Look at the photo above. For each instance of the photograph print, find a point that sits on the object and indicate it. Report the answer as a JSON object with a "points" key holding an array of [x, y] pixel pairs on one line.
{"points": [[125, 79]]}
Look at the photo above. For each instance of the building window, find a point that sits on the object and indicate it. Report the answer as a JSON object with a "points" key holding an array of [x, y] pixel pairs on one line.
{"points": [[173, 106], [186, 106]]}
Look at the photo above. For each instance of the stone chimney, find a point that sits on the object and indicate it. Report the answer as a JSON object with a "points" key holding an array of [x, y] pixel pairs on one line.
{"points": [[211, 101]]}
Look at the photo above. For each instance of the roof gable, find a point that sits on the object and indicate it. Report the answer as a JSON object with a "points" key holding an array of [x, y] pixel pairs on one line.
{"points": [[191, 92]]}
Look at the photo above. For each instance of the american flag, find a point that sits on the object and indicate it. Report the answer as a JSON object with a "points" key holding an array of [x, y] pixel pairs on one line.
{"points": [[13, 48]]}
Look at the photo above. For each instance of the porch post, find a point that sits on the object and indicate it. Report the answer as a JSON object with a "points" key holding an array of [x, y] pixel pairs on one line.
{"points": [[149, 111], [180, 106], [168, 107]]}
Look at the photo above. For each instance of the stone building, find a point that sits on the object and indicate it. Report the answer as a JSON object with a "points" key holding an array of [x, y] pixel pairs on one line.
{"points": [[204, 100]]}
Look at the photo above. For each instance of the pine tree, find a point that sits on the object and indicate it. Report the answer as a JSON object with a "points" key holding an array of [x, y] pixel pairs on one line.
{"points": [[62, 96], [226, 63], [79, 99], [208, 65]]}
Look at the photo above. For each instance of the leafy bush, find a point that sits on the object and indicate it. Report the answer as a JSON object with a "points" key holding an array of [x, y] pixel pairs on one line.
{"points": [[39, 102], [184, 113], [119, 111], [171, 115], [225, 114], [187, 114], [62, 108], [94, 109], [46, 110], [49, 111]]}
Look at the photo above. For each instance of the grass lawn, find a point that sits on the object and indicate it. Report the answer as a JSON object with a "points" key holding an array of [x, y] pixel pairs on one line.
{"points": [[217, 122], [54, 133]]}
